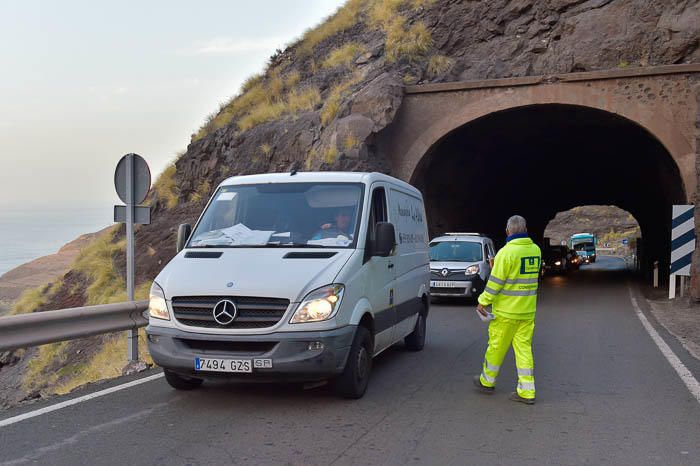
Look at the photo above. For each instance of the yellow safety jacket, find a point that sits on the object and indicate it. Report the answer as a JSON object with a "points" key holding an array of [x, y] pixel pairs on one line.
{"points": [[512, 286]]}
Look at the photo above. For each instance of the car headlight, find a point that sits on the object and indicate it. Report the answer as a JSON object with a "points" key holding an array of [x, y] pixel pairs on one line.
{"points": [[472, 270], [320, 304], [557, 263], [156, 303]]}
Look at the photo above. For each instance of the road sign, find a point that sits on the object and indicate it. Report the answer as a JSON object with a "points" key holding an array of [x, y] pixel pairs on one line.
{"points": [[625, 241], [141, 176], [132, 179], [142, 214], [682, 245]]}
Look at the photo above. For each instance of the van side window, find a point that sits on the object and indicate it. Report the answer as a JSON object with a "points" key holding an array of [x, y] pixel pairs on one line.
{"points": [[378, 212]]}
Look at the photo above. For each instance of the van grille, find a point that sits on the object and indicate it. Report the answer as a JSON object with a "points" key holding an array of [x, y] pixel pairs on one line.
{"points": [[197, 311]]}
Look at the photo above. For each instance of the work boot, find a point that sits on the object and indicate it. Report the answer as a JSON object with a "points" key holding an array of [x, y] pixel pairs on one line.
{"points": [[515, 397], [482, 388]]}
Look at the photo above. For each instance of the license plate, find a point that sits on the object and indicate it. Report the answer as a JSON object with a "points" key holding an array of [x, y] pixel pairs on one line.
{"points": [[446, 284], [223, 365]]}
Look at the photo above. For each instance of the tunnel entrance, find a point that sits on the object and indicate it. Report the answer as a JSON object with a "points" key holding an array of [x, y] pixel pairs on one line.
{"points": [[542, 159], [616, 230]]}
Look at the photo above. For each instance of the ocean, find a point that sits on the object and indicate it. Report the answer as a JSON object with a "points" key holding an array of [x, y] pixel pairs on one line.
{"points": [[26, 234]]}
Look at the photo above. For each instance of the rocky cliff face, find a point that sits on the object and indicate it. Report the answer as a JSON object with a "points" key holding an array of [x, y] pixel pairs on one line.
{"points": [[321, 102]]}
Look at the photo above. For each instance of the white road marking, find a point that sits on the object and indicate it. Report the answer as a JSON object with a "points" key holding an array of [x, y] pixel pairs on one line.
{"points": [[75, 401], [686, 376]]}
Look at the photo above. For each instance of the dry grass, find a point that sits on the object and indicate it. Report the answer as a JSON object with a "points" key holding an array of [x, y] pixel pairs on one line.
{"points": [[383, 12], [303, 99], [46, 356], [30, 300], [264, 112], [335, 97], [107, 363], [292, 79], [96, 262], [202, 192], [439, 64], [166, 188], [351, 142], [251, 82], [404, 42], [345, 17], [409, 79], [266, 148], [344, 55], [330, 155]]}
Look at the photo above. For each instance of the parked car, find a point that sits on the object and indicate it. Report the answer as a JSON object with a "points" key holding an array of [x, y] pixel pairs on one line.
{"points": [[296, 277], [460, 264]]}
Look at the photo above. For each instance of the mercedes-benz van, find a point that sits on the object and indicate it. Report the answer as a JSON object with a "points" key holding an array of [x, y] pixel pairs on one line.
{"points": [[294, 277]]}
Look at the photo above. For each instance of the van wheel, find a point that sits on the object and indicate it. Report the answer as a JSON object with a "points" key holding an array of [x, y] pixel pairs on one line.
{"points": [[179, 382], [415, 340], [352, 383]]}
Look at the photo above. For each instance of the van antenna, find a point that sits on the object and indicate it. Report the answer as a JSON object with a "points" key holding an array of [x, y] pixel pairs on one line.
{"points": [[293, 172]]}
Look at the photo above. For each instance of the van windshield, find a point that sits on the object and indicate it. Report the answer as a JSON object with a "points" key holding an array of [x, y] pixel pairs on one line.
{"points": [[314, 215], [456, 251]]}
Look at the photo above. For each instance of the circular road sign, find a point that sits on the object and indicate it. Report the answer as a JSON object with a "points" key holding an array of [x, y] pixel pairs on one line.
{"points": [[141, 178]]}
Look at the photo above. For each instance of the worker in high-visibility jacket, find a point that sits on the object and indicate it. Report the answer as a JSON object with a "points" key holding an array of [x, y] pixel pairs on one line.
{"points": [[511, 290]]}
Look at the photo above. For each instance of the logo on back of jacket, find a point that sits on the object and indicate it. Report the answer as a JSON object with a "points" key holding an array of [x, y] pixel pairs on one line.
{"points": [[530, 265]]}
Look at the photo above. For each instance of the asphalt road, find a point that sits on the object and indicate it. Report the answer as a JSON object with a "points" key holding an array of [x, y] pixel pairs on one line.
{"points": [[606, 395]]}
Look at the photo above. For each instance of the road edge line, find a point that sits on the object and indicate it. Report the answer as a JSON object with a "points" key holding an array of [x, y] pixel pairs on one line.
{"points": [[683, 372], [74, 401]]}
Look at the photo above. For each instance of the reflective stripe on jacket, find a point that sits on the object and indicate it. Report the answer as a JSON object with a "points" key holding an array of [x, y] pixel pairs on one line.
{"points": [[512, 286]]}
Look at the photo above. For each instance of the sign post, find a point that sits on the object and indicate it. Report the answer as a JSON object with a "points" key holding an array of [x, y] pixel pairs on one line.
{"points": [[682, 246], [132, 179]]}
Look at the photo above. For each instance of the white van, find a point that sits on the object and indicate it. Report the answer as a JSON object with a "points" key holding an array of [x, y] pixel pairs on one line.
{"points": [[294, 276]]}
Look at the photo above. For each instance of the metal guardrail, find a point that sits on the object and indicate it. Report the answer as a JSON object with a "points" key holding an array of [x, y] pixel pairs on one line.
{"points": [[39, 328]]}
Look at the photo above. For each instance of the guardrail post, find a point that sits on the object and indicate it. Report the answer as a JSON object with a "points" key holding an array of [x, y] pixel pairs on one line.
{"points": [[656, 274], [672, 286]]}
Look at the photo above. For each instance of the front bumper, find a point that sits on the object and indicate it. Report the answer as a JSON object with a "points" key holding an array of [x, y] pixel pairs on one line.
{"points": [[292, 358], [472, 287]]}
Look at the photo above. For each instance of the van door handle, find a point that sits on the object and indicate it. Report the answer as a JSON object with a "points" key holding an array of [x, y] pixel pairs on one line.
{"points": [[391, 266]]}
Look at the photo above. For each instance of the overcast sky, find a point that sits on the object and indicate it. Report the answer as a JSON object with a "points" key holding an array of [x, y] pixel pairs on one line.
{"points": [[84, 82]]}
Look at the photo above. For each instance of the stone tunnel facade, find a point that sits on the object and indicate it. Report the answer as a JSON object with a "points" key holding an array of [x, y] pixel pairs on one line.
{"points": [[539, 145]]}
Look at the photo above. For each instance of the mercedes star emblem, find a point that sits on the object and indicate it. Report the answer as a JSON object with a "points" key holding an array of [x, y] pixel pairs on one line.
{"points": [[224, 312], [444, 272]]}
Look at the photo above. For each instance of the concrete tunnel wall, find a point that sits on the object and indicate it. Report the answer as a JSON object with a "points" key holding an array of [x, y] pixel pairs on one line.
{"points": [[542, 159]]}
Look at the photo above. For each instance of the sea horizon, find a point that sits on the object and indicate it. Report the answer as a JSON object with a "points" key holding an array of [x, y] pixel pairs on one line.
{"points": [[28, 232]]}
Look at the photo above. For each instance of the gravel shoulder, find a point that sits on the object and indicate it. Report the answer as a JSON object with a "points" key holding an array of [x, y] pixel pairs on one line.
{"points": [[680, 317]]}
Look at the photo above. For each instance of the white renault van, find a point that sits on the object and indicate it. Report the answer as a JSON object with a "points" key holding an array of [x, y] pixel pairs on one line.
{"points": [[294, 276]]}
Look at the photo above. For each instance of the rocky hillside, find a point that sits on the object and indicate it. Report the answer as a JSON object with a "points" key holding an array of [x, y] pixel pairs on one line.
{"points": [[320, 103], [610, 224]]}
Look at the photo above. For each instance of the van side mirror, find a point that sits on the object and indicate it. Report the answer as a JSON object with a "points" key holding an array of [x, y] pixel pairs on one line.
{"points": [[386, 239], [183, 234]]}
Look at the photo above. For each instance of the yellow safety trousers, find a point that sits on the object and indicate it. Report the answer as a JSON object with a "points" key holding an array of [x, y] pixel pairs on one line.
{"points": [[502, 333]]}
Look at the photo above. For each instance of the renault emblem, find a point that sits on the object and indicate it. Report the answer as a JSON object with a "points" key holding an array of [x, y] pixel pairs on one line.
{"points": [[444, 272], [224, 312]]}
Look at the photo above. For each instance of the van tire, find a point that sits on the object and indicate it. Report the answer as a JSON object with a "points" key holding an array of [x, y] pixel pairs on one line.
{"points": [[352, 383], [181, 383], [415, 341]]}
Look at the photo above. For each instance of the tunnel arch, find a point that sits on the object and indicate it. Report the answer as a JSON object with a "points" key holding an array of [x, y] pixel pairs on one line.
{"points": [[655, 117], [537, 160]]}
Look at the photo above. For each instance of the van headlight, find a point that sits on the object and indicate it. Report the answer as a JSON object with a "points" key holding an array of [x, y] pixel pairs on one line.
{"points": [[472, 270], [320, 304], [156, 303]]}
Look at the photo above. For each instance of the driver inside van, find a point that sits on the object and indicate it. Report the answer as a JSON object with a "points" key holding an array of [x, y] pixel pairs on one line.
{"points": [[340, 227]]}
